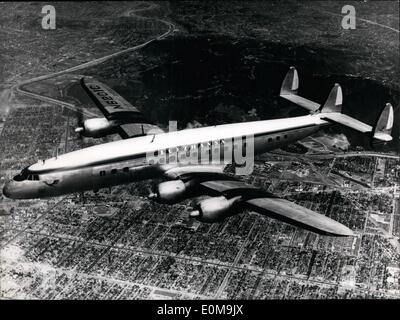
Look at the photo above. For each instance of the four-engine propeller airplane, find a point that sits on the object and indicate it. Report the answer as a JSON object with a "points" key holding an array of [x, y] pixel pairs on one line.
{"points": [[127, 160]]}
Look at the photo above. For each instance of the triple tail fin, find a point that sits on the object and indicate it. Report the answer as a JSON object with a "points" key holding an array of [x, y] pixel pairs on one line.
{"points": [[331, 110], [384, 124], [334, 101], [289, 88], [291, 82]]}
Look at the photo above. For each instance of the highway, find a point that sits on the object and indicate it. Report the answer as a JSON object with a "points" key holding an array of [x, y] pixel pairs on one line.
{"points": [[349, 154], [132, 13]]}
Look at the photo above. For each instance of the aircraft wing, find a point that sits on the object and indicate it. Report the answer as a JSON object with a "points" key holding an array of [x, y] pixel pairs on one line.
{"points": [[114, 107], [265, 203], [260, 201], [292, 213]]}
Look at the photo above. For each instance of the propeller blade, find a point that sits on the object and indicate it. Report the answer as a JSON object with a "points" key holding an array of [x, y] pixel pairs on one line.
{"points": [[79, 117], [151, 194], [80, 122]]}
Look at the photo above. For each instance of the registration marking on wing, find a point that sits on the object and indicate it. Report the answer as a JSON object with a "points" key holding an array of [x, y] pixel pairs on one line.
{"points": [[106, 98]]}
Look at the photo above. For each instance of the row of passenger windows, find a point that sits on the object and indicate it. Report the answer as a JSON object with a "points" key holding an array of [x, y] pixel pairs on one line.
{"points": [[185, 148], [191, 147], [207, 144], [114, 171], [285, 136]]}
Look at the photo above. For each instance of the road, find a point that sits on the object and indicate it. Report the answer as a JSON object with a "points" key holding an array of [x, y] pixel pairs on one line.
{"points": [[347, 154], [364, 20], [132, 13]]}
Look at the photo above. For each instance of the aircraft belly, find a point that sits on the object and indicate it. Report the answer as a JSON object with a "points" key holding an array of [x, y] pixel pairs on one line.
{"points": [[263, 144]]}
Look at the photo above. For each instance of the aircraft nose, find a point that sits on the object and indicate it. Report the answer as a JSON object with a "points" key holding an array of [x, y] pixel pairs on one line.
{"points": [[8, 189]]}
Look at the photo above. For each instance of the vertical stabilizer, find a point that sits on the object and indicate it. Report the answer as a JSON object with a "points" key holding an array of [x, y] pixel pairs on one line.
{"points": [[291, 82], [334, 101], [332, 111], [384, 124]]}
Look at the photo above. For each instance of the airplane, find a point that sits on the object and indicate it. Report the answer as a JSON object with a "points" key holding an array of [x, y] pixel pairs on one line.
{"points": [[222, 194]]}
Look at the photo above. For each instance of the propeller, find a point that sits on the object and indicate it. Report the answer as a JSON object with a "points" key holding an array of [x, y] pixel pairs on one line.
{"points": [[79, 119], [194, 203], [151, 192]]}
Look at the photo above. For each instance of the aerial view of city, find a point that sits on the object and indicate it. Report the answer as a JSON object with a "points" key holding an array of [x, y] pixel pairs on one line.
{"points": [[201, 64]]}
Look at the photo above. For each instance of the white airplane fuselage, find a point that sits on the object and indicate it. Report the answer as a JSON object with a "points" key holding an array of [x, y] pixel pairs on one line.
{"points": [[126, 161]]}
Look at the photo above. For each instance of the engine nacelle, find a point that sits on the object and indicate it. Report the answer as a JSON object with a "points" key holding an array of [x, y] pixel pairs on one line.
{"points": [[97, 127], [171, 191], [214, 209]]}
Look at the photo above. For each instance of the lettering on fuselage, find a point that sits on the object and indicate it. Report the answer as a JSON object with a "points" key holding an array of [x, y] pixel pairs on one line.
{"points": [[103, 95], [221, 151]]}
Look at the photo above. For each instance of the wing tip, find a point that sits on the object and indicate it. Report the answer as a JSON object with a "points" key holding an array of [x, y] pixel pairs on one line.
{"points": [[344, 233], [338, 230]]}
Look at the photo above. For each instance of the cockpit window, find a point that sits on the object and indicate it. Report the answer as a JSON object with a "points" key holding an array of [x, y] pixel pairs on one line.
{"points": [[25, 174]]}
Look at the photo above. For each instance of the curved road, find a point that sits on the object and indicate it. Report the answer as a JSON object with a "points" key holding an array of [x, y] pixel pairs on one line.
{"points": [[354, 154], [364, 20], [132, 13]]}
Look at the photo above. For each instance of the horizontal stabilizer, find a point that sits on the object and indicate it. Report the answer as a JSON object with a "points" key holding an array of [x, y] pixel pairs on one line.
{"points": [[331, 110], [302, 102], [384, 124], [289, 89], [346, 121]]}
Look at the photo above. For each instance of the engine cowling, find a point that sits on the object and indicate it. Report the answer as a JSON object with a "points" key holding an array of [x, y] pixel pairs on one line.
{"points": [[170, 191], [97, 127], [214, 209]]}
